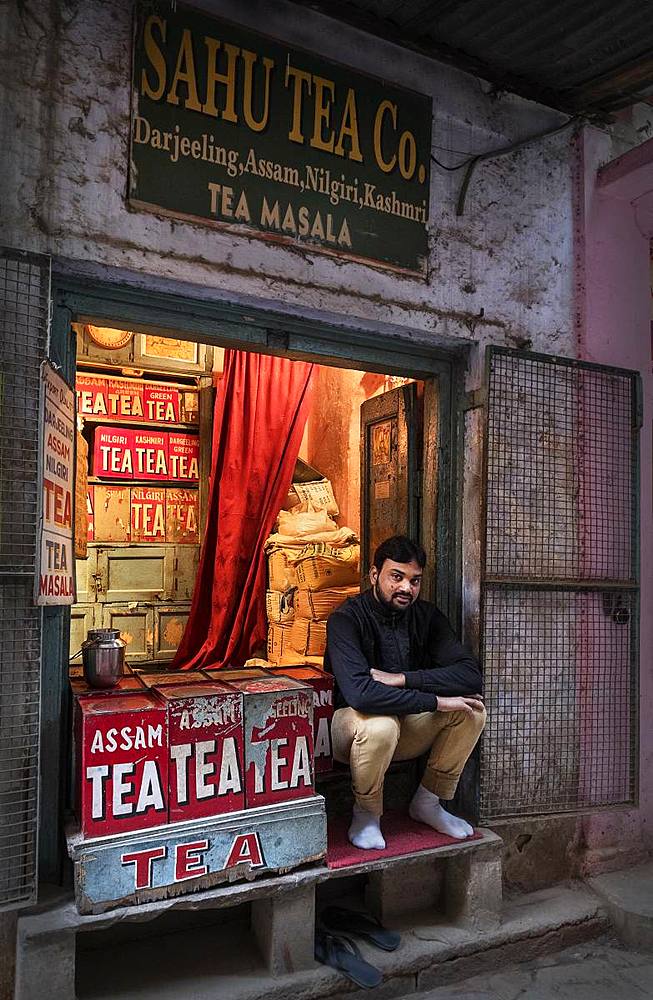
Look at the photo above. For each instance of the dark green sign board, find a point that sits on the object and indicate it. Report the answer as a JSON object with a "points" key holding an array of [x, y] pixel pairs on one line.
{"points": [[242, 131]]}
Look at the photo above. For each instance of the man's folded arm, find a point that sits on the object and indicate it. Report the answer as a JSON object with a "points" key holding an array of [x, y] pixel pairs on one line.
{"points": [[455, 670], [352, 674]]}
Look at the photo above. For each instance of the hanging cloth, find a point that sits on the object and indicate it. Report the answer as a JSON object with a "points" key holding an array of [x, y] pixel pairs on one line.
{"points": [[261, 409]]}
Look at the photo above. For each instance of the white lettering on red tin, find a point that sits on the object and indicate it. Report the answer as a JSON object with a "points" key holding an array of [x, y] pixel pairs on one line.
{"points": [[229, 779], [139, 738], [123, 785]]}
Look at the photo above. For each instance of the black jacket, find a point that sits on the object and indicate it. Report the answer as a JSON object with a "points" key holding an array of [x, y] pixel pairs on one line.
{"points": [[419, 643]]}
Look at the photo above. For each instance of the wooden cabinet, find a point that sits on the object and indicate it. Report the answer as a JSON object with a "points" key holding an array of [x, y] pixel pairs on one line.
{"points": [[121, 586], [137, 579]]}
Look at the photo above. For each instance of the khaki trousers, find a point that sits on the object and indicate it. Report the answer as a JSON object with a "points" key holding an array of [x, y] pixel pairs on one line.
{"points": [[369, 742]]}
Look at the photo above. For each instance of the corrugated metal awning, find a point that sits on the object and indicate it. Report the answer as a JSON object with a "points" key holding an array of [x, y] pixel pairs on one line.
{"points": [[592, 56]]}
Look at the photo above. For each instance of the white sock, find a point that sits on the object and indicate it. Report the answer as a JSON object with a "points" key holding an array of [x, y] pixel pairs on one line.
{"points": [[365, 830], [425, 808]]}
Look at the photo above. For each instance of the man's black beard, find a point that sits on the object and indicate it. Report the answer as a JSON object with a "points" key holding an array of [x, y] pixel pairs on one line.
{"points": [[395, 609]]}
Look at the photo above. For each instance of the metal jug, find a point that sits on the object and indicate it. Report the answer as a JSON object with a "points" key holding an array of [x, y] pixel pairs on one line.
{"points": [[103, 656]]}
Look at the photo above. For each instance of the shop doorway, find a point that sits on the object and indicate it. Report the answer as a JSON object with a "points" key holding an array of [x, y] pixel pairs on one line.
{"points": [[145, 413]]}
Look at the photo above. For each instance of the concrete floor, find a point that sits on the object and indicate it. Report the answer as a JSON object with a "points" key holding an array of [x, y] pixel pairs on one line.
{"points": [[602, 969]]}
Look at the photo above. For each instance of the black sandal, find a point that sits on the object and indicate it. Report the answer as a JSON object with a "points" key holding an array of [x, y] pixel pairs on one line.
{"points": [[344, 955], [338, 919]]}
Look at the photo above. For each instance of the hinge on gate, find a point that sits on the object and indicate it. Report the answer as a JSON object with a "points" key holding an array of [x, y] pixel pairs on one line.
{"points": [[474, 399]]}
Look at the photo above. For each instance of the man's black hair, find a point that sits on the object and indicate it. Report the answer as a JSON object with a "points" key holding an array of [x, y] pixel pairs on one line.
{"points": [[399, 549]]}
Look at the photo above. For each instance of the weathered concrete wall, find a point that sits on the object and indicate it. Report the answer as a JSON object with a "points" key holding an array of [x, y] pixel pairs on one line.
{"points": [[612, 264], [500, 273]]}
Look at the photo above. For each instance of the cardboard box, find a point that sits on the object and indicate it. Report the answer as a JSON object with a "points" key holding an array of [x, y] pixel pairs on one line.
{"points": [[122, 745], [111, 516], [148, 514], [182, 516], [205, 738], [278, 725], [321, 683], [184, 457]]}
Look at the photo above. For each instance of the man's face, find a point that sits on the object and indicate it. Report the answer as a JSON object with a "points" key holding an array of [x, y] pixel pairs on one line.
{"points": [[396, 586]]}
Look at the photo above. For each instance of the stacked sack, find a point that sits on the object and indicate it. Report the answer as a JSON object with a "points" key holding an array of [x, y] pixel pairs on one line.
{"points": [[313, 566]]}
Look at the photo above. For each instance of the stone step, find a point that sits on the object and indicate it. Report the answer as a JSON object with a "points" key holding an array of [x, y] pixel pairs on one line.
{"points": [[226, 962], [628, 899]]}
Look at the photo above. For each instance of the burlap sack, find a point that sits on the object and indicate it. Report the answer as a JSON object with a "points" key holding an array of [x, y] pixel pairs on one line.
{"points": [[279, 606], [322, 573], [278, 641], [318, 604], [305, 520], [318, 494], [308, 638], [281, 573]]}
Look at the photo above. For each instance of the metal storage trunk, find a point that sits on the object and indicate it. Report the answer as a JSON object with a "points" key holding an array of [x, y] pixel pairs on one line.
{"points": [[205, 740], [322, 685], [278, 723], [122, 745]]}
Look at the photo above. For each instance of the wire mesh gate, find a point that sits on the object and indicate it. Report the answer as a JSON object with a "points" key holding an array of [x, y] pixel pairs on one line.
{"points": [[24, 314], [560, 595]]}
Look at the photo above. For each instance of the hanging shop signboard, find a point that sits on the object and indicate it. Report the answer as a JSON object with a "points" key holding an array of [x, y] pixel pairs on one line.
{"points": [[239, 130], [55, 573]]}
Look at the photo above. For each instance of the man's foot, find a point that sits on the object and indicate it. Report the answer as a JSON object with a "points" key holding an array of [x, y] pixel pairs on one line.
{"points": [[365, 831], [425, 808]]}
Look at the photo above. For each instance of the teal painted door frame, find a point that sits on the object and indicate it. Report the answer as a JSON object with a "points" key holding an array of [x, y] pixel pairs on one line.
{"points": [[246, 328]]}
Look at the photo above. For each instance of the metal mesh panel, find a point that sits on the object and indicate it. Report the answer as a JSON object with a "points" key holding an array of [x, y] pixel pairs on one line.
{"points": [[559, 593], [559, 681], [24, 297], [24, 304], [19, 740], [559, 471]]}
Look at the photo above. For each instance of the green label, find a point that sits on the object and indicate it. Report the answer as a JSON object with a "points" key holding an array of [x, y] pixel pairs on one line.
{"points": [[236, 129]]}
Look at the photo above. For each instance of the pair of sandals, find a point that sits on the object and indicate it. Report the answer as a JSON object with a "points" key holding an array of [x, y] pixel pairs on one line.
{"points": [[334, 946]]}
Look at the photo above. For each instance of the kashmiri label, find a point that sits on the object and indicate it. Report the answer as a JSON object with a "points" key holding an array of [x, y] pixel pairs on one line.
{"points": [[245, 132]]}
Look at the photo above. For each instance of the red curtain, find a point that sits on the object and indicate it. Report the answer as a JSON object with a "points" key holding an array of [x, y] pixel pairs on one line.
{"points": [[260, 413]]}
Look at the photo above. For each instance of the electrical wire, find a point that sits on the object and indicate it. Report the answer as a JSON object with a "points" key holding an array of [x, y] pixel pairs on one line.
{"points": [[472, 161]]}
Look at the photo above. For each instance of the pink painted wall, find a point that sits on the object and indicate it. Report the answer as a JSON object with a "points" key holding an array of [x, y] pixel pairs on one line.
{"points": [[613, 229]]}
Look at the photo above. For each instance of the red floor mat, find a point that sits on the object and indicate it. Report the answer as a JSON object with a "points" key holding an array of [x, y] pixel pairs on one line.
{"points": [[402, 836]]}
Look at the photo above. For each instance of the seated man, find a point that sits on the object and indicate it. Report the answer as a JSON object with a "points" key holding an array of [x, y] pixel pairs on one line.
{"points": [[404, 686]]}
